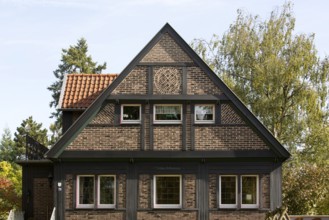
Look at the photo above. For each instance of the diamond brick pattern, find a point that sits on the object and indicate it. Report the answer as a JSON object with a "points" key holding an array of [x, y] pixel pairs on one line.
{"points": [[81, 90], [229, 116], [166, 50]]}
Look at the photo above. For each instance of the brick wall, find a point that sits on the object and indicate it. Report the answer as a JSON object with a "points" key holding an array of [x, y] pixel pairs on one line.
{"points": [[134, 83], [69, 192], [237, 214], [122, 179], [144, 191], [227, 138], [229, 116], [105, 115], [94, 215], [167, 137], [42, 199], [198, 83], [107, 138], [265, 184], [213, 188], [188, 127], [167, 215], [147, 127], [190, 191], [166, 50]]}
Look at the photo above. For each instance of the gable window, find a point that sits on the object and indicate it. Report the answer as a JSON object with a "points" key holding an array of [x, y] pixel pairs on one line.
{"points": [[106, 191], [130, 114], [168, 113], [204, 113], [85, 191], [228, 188], [167, 191], [249, 191]]}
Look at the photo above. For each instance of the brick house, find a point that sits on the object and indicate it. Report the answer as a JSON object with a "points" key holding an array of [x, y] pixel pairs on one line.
{"points": [[164, 139]]}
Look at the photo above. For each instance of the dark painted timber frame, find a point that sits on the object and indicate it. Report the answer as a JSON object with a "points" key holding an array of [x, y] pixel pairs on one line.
{"points": [[72, 132], [133, 168]]}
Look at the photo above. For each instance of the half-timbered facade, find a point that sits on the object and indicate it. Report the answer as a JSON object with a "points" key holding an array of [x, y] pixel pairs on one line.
{"points": [[164, 139]]}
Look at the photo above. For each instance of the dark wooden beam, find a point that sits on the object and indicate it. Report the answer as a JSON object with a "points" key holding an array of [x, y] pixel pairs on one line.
{"points": [[182, 97], [168, 154], [166, 64]]}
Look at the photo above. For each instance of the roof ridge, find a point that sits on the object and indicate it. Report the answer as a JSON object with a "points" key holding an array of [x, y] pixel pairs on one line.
{"points": [[92, 74]]}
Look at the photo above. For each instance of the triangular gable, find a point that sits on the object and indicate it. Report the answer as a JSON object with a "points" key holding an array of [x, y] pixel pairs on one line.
{"points": [[88, 115]]}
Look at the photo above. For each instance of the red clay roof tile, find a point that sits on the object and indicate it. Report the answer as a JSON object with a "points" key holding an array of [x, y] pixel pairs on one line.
{"points": [[80, 90]]}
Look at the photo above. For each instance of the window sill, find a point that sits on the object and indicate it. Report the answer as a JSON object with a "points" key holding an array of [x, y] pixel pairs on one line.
{"points": [[130, 122], [167, 122]]}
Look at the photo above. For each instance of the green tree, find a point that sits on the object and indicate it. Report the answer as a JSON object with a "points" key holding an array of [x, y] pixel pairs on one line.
{"points": [[280, 77], [10, 188], [74, 60], [7, 146], [34, 130]]}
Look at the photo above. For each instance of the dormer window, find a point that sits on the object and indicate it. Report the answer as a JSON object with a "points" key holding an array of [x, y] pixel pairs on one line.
{"points": [[130, 114]]}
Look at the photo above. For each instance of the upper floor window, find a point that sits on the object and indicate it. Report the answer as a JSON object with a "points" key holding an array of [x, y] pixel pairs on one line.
{"points": [[168, 113], [167, 191], [130, 113], [204, 113]]}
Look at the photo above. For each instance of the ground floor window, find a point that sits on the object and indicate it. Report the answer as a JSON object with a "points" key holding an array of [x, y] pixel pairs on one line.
{"points": [[249, 191], [167, 191], [86, 188], [228, 187], [228, 191], [85, 191], [106, 191]]}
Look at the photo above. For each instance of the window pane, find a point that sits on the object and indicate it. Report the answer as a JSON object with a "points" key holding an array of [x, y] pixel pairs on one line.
{"points": [[168, 113], [228, 190], [131, 113], [168, 190], [249, 190], [204, 112], [106, 189], [86, 190]]}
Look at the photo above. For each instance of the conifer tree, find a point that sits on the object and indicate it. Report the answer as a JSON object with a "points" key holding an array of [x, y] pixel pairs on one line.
{"points": [[75, 59]]}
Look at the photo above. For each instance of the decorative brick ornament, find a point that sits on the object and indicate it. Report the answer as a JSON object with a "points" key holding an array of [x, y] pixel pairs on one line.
{"points": [[167, 80]]}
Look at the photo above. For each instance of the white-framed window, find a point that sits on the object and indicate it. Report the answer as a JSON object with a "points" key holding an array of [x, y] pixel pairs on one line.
{"points": [[228, 191], [85, 191], [204, 113], [167, 114], [167, 191], [249, 191], [106, 191], [130, 114]]}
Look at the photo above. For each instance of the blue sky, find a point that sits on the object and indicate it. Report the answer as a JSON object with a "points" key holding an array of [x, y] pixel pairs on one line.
{"points": [[33, 32]]}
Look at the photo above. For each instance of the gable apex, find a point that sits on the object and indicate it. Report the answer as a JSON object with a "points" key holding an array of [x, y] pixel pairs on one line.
{"points": [[166, 33]]}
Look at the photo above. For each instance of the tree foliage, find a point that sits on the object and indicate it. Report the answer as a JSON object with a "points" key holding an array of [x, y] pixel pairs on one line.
{"points": [[7, 147], [34, 130], [10, 188], [74, 60], [280, 77]]}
